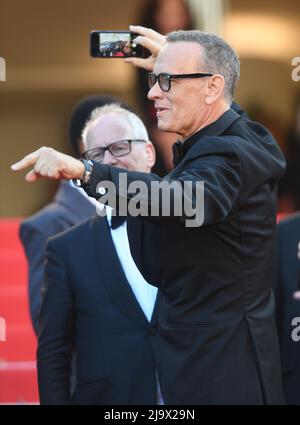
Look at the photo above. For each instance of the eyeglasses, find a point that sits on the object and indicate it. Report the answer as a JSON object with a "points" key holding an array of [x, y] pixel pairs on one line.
{"points": [[164, 80], [119, 148]]}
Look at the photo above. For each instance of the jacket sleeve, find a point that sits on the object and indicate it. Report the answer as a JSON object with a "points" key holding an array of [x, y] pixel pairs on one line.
{"points": [[34, 243], [278, 282], [216, 164], [56, 337]]}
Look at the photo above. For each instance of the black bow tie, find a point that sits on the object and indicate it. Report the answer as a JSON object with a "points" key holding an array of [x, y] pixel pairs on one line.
{"points": [[117, 221], [177, 153]]}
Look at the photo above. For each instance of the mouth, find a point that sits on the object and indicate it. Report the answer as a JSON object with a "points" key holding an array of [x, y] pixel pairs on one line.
{"points": [[160, 111]]}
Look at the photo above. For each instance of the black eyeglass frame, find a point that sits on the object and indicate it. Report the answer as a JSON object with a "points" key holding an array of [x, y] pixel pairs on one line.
{"points": [[100, 149], [170, 77]]}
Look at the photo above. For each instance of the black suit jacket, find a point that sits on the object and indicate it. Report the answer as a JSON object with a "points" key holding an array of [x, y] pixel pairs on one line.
{"points": [[287, 281], [68, 208], [89, 305], [217, 325]]}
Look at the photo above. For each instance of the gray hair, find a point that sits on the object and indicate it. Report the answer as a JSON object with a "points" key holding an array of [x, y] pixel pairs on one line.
{"points": [[137, 125], [218, 56]]}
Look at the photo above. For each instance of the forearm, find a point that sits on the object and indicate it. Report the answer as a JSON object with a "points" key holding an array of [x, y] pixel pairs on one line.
{"points": [[137, 194], [200, 191]]}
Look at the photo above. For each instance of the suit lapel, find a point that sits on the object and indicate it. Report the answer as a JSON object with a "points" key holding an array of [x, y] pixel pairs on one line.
{"points": [[155, 315], [134, 230], [112, 273]]}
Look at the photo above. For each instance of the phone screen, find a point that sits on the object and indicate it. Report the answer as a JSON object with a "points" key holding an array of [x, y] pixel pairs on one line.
{"points": [[117, 44]]}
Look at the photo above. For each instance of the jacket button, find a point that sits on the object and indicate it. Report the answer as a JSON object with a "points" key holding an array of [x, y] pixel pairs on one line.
{"points": [[102, 191], [153, 330]]}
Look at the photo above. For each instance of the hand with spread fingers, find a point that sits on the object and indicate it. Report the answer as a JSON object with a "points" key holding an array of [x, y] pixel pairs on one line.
{"points": [[151, 40], [49, 163]]}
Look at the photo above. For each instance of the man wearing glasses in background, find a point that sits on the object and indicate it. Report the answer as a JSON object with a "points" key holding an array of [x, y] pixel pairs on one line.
{"points": [[94, 299], [70, 206], [218, 339]]}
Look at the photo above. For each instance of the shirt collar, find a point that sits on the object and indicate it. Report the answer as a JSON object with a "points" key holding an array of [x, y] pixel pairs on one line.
{"points": [[216, 128]]}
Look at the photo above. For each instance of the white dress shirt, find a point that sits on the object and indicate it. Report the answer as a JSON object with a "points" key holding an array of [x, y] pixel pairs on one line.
{"points": [[143, 291]]}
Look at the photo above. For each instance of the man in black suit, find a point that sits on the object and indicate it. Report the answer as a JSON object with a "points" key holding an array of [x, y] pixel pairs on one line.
{"points": [[219, 342], [286, 284], [95, 300], [68, 208]]}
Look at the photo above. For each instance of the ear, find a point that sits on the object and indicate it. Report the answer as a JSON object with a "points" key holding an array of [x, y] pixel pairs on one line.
{"points": [[151, 155], [215, 88]]}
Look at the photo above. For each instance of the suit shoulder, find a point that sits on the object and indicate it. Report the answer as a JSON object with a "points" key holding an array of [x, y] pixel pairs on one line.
{"points": [[289, 224], [80, 231], [215, 145], [255, 136], [43, 219], [288, 237]]}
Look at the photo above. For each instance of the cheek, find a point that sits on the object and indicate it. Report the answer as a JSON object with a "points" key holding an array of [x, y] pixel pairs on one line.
{"points": [[179, 109], [179, 101], [139, 154], [126, 162], [187, 105]]}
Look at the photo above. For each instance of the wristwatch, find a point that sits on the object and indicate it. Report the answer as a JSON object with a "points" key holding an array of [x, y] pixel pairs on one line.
{"points": [[88, 169]]}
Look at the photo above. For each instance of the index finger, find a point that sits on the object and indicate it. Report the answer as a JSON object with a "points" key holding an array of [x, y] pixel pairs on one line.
{"points": [[149, 44], [28, 160], [148, 32]]}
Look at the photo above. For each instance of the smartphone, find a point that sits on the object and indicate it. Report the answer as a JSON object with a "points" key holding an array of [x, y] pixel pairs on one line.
{"points": [[115, 44]]}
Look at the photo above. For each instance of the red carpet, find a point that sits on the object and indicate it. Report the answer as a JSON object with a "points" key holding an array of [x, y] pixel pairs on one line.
{"points": [[18, 380]]}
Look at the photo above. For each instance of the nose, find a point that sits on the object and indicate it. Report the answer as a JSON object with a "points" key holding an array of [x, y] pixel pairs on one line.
{"points": [[155, 92], [109, 159]]}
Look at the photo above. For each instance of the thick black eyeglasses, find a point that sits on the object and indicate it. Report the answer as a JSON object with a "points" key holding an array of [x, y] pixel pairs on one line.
{"points": [[119, 148], [164, 79]]}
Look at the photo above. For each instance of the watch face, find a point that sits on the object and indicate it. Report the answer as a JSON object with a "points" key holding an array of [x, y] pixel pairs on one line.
{"points": [[88, 168], [102, 191]]}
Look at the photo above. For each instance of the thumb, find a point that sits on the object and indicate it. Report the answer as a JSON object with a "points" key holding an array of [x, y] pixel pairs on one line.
{"points": [[32, 176], [140, 63]]}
